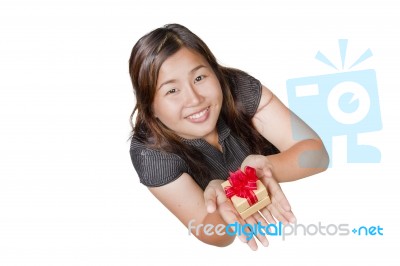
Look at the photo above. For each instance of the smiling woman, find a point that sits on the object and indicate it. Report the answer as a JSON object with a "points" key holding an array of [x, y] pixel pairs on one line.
{"points": [[197, 121]]}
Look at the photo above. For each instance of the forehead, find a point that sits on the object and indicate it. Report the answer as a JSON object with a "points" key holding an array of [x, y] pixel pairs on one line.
{"points": [[183, 61]]}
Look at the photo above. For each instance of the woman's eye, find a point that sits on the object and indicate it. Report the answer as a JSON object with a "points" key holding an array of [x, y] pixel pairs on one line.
{"points": [[199, 78], [171, 91]]}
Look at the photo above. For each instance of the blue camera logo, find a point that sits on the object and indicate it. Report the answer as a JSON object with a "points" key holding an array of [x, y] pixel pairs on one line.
{"points": [[344, 103]]}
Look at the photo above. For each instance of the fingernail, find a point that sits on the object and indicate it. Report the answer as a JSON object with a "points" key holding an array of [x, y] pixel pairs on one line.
{"points": [[210, 208]]}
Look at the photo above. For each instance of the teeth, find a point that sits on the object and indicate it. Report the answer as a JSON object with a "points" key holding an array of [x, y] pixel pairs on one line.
{"points": [[195, 116]]}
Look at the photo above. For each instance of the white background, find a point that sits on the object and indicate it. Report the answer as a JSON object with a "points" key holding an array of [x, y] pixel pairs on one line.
{"points": [[68, 192]]}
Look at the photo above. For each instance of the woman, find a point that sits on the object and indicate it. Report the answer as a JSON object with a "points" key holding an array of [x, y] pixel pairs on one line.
{"points": [[196, 121]]}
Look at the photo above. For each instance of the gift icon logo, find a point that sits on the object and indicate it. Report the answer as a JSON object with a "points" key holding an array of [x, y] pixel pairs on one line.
{"points": [[344, 103]]}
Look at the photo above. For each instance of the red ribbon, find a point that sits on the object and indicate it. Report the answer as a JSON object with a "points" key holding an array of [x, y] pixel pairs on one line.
{"points": [[243, 184]]}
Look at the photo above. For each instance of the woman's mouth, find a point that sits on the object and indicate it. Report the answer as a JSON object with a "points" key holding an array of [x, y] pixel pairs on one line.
{"points": [[199, 116]]}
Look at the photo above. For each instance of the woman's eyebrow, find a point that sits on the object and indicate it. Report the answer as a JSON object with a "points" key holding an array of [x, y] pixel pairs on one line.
{"points": [[167, 82], [196, 68]]}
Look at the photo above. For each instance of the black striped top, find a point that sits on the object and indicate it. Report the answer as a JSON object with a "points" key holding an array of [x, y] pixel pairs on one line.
{"points": [[156, 168]]}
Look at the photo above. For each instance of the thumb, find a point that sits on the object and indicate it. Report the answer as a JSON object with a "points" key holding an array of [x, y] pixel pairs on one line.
{"points": [[210, 199]]}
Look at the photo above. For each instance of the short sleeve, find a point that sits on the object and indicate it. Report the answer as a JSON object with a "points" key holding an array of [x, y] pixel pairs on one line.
{"points": [[156, 168], [247, 90]]}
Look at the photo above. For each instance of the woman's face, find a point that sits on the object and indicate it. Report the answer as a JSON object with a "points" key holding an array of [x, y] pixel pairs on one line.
{"points": [[188, 95]]}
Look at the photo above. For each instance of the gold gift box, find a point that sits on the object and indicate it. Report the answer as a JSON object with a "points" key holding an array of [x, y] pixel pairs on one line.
{"points": [[242, 205]]}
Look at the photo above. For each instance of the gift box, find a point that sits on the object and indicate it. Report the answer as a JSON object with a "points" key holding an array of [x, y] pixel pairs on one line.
{"points": [[246, 191]]}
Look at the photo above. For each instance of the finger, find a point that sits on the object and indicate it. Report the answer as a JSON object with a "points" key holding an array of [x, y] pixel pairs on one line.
{"points": [[290, 217], [280, 214], [221, 196], [231, 217], [229, 213], [266, 172], [210, 196], [259, 218], [277, 214], [278, 195], [263, 171], [277, 210], [260, 163], [252, 244], [259, 233], [268, 216], [249, 234], [279, 201]]}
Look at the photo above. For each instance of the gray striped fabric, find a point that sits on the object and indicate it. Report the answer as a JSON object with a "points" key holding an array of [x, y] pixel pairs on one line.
{"points": [[157, 168]]}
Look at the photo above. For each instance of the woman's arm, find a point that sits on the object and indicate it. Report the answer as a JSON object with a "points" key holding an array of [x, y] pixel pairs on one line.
{"points": [[185, 199], [300, 156]]}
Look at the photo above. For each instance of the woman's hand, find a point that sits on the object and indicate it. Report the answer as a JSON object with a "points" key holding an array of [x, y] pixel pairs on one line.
{"points": [[279, 207], [215, 199]]}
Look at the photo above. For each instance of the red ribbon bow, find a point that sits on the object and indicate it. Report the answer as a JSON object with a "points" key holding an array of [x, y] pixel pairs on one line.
{"points": [[243, 184]]}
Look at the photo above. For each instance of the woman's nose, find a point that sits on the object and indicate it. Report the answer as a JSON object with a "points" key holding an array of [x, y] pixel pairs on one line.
{"points": [[192, 97]]}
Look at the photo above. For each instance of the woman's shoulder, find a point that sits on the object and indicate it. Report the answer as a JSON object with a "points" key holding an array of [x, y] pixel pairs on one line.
{"points": [[155, 167], [143, 149], [246, 90], [243, 80]]}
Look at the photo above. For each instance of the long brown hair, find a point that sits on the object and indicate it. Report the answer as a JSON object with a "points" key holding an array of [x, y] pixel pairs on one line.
{"points": [[146, 59]]}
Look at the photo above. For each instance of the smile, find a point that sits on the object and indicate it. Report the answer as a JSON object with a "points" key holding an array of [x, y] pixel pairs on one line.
{"points": [[199, 115]]}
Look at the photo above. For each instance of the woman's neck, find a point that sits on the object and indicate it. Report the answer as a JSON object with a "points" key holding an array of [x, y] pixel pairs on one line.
{"points": [[212, 139]]}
